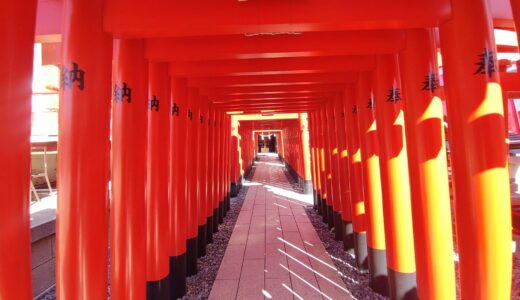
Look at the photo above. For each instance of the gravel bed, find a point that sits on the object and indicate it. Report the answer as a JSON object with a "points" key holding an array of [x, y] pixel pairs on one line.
{"points": [[199, 285], [356, 282]]}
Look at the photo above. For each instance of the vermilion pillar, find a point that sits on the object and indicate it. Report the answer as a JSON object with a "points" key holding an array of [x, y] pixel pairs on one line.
{"points": [[479, 152], [228, 155], [157, 180], [315, 163], [216, 153], [338, 182], [394, 179], [17, 23], [211, 184], [192, 160], [328, 168], [305, 150], [369, 145], [128, 207], [203, 177], [221, 169], [323, 170], [217, 168], [178, 191], [357, 202], [346, 206], [428, 167]]}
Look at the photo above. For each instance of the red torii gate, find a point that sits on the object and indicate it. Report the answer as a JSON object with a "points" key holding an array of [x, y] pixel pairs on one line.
{"points": [[381, 28]]}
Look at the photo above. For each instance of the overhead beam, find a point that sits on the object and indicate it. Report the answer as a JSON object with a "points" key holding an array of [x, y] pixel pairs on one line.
{"points": [[272, 66], [307, 44], [272, 90], [137, 18], [272, 80]]}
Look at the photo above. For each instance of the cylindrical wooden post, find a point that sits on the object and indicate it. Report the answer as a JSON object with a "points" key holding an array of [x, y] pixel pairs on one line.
{"points": [[178, 192], [157, 179], [128, 207], [17, 23], [323, 170], [192, 157], [211, 184], [216, 165], [328, 168], [479, 152], [357, 203], [203, 177], [428, 167], [305, 150], [394, 179], [369, 142], [337, 183]]}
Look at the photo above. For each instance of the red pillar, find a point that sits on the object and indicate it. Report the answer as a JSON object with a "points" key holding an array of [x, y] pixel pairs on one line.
{"points": [[305, 152], [192, 160], [128, 207], [218, 167], [328, 168], [203, 177], [314, 166], [394, 179], [157, 213], [323, 169], [228, 162], [369, 143], [178, 192], [338, 183], [357, 202], [346, 205], [222, 168], [216, 153], [479, 152], [428, 167], [17, 23], [211, 183]]}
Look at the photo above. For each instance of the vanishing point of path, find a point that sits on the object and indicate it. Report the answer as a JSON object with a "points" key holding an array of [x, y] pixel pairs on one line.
{"points": [[274, 251]]}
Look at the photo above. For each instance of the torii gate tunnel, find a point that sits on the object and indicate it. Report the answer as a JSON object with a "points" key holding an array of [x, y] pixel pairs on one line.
{"points": [[165, 100]]}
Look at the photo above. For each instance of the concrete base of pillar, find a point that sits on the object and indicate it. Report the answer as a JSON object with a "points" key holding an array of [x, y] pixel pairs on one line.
{"points": [[307, 187], [177, 276], [191, 256], [402, 286], [220, 212], [378, 271], [201, 241], [215, 220], [324, 210], [361, 251], [348, 237], [209, 230], [158, 290], [338, 227], [330, 216]]}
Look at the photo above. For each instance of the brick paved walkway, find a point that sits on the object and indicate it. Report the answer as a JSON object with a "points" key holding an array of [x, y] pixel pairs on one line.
{"points": [[274, 251]]}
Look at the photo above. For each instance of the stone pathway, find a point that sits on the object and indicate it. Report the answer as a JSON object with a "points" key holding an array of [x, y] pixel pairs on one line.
{"points": [[274, 251]]}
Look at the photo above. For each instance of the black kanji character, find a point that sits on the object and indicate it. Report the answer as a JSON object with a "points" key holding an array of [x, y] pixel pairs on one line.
{"points": [[68, 77], [190, 114], [431, 82], [354, 109], [371, 103], [201, 119], [122, 92], [175, 109], [153, 103], [394, 95], [486, 63]]}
